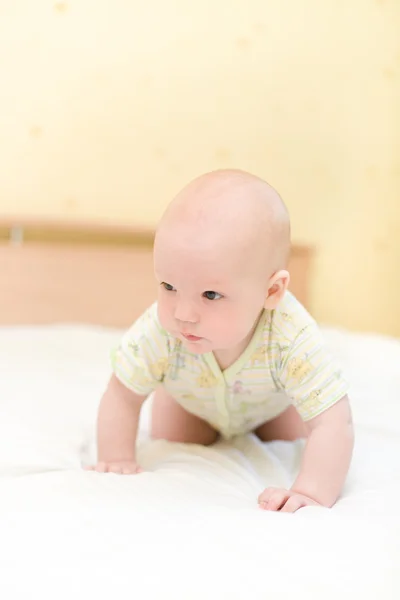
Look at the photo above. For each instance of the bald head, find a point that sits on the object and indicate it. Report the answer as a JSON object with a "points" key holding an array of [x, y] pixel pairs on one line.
{"points": [[234, 209]]}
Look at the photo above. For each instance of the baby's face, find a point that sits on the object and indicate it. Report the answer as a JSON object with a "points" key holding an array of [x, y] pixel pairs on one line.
{"points": [[208, 297]]}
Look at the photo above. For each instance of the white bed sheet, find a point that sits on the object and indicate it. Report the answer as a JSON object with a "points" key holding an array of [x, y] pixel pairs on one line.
{"points": [[189, 527]]}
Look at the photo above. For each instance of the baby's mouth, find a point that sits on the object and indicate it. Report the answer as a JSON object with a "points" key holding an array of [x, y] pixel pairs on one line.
{"points": [[191, 338]]}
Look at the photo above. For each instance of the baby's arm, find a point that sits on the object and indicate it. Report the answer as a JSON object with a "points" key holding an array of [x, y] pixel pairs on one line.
{"points": [[139, 363], [311, 377], [117, 426], [325, 463], [327, 454]]}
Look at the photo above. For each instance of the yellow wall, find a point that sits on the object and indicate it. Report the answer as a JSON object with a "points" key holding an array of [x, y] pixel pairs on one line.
{"points": [[107, 108]]}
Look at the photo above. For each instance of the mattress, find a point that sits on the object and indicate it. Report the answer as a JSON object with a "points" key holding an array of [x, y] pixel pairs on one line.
{"points": [[189, 527]]}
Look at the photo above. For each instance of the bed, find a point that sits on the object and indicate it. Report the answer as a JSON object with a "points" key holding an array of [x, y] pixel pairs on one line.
{"points": [[188, 528]]}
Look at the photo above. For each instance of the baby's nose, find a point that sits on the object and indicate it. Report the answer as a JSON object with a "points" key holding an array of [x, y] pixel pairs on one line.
{"points": [[186, 313]]}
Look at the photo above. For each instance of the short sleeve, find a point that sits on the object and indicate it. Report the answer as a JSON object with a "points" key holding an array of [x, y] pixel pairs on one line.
{"points": [[141, 359], [310, 375]]}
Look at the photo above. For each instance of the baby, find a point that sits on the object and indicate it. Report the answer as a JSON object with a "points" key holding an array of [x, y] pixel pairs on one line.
{"points": [[226, 348]]}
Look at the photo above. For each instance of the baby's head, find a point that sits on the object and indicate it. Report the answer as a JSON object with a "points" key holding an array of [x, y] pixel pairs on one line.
{"points": [[220, 257]]}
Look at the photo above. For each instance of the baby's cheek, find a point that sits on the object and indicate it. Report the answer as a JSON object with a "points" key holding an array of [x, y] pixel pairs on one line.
{"points": [[164, 313], [242, 323], [231, 325]]}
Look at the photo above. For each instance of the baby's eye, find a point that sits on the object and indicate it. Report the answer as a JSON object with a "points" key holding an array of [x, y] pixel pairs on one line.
{"points": [[212, 295], [168, 287]]}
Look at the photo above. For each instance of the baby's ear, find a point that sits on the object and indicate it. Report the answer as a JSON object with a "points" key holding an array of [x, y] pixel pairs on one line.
{"points": [[278, 284]]}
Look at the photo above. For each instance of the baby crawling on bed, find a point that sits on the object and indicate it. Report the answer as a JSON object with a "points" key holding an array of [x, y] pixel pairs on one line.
{"points": [[227, 349]]}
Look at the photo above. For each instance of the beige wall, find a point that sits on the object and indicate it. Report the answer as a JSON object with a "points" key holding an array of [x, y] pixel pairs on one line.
{"points": [[107, 108]]}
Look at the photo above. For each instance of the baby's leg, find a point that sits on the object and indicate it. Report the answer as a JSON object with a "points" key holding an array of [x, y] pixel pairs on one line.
{"points": [[172, 422], [286, 426]]}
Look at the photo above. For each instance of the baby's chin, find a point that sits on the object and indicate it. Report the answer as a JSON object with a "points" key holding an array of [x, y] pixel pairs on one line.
{"points": [[201, 346]]}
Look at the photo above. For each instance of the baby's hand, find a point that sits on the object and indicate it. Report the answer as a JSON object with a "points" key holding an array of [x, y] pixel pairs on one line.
{"points": [[284, 500], [121, 467]]}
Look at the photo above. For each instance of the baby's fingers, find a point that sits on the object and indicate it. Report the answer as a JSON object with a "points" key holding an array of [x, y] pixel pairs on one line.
{"points": [[97, 467], [265, 495], [131, 470], [116, 468], [294, 503], [101, 467], [273, 498], [124, 469], [277, 500]]}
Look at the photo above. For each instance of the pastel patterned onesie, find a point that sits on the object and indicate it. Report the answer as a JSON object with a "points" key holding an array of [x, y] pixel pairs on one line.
{"points": [[286, 362]]}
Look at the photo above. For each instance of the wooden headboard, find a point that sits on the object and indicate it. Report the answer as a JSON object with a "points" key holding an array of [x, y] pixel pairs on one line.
{"points": [[80, 273]]}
